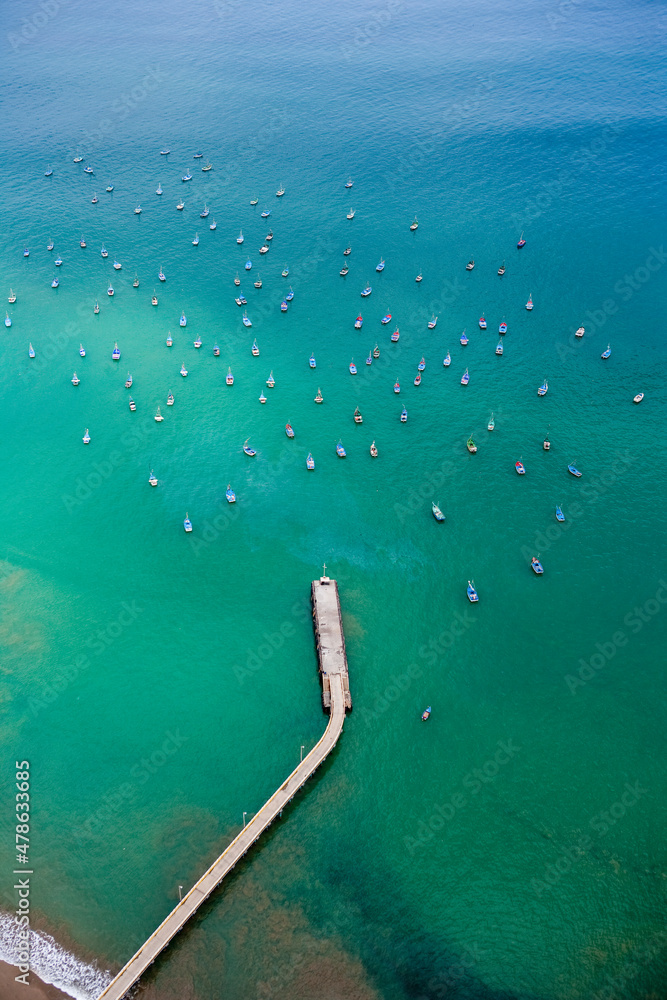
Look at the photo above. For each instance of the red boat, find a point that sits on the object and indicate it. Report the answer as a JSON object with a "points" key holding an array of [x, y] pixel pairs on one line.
{"points": [[358, 323], [395, 335]]}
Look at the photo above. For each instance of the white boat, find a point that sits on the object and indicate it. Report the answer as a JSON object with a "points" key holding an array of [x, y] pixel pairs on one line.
{"points": [[86, 437], [183, 321], [152, 479], [197, 343], [169, 340], [350, 214], [187, 523], [158, 190], [8, 321], [137, 210], [184, 371], [213, 226], [158, 416], [117, 266], [432, 322], [491, 424], [31, 351], [280, 192], [82, 350], [239, 238], [170, 399], [75, 379], [195, 241]]}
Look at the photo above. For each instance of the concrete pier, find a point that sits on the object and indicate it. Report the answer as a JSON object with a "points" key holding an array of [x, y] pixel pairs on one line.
{"points": [[336, 699]]}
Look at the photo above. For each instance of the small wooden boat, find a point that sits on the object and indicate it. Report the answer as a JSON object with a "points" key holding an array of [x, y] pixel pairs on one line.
{"points": [[376, 352], [187, 523], [482, 322], [283, 306], [82, 350], [247, 449], [520, 468], [349, 183], [437, 513], [521, 242], [58, 261], [137, 210], [499, 348], [195, 241], [310, 461], [184, 371], [464, 339], [255, 349], [365, 292], [258, 283], [374, 451], [128, 381], [248, 264], [418, 378], [183, 321], [117, 266], [638, 398], [465, 378], [170, 399], [312, 362], [501, 269], [158, 416], [529, 304], [470, 265], [560, 516], [503, 327], [546, 443], [344, 270], [395, 335], [290, 295], [350, 214], [169, 340], [422, 365], [216, 351], [358, 323], [264, 249], [543, 389], [55, 283], [86, 437], [536, 566], [213, 226], [237, 280], [380, 266], [404, 416], [574, 471], [472, 593], [427, 711], [471, 446], [420, 277], [605, 354], [266, 213], [397, 387], [289, 430], [135, 283], [340, 451], [75, 379], [154, 299], [12, 297], [245, 320], [241, 300], [158, 189], [414, 225], [229, 378], [580, 331], [491, 424], [94, 199], [432, 322], [369, 359], [133, 405], [152, 479], [269, 236], [230, 495], [205, 213], [319, 398], [115, 354], [347, 251], [447, 360], [161, 275], [358, 419], [180, 206], [8, 321], [82, 244], [254, 201], [262, 398], [386, 318], [197, 343], [353, 368], [270, 380]]}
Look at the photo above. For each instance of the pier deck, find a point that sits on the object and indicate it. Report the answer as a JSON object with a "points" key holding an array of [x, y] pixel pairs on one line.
{"points": [[333, 667]]}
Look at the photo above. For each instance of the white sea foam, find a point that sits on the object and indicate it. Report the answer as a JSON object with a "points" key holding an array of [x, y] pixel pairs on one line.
{"points": [[52, 963]]}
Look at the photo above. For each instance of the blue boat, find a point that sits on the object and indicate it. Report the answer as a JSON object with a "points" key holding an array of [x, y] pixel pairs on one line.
{"points": [[521, 242], [499, 348], [58, 261], [464, 339], [386, 318], [265, 214], [340, 451], [448, 360], [560, 516], [366, 292], [369, 360], [358, 323], [285, 272], [353, 368], [55, 283], [26, 252], [48, 172], [536, 566], [605, 354], [520, 468], [8, 321], [230, 495], [247, 449], [573, 470], [115, 354], [543, 389], [503, 327], [404, 416], [50, 245], [289, 430], [283, 306], [422, 365], [187, 523], [187, 177], [290, 295], [380, 266], [109, 187], [482, 322], [426, 713], [248, 264], [472, 593], [31, 351], [465, 378], [311, 361], [246, 321], [88, 170], [310, 461], [437, 513], [183, 321]]}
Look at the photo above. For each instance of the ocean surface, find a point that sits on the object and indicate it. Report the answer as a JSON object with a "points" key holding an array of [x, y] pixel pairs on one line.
{"points": [[162, 684]]}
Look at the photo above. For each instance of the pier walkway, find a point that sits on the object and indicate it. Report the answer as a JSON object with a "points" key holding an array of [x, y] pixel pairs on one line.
{"points": [[333, 668]]}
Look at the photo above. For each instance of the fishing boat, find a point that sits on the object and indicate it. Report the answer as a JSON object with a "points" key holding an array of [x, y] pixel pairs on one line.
{"points": [[213, 225], [94, 199], [290, 295], [546, 444], [86, 437], [366, 292], [88, 170], [285, 272], [137, 210], [447, 360], [183, 321], [386, 318], [216, 351], [340, 451], [358, 323], [349, 183], [470, 265], [499, 348], [503, 327], [158, 416], [237, 280], [169, 340], [82, 350], [230, 495], [262, 397], [247, 449], [465, 378], [115, 354], [420, 277], [82, 244], [31, 351], [255, 349], [344, 270], [350, 214], [195, 241], [311, 361], [520, 468], [204, 214], [380, 266], [280, 192], [75, 379], [422, 365], [254, 201], [397, 387], [109, 188], [638, 398], [289, 430], [133, 406], [205, 169], [574, 471], [197, 343], [8, 321], [153, 299], [426, 713], [170, 399], [501, 269], [48, 172], [158, 189], [12, 297], [482, 322], [117, 266], [414, 225], [55, 283], [560, 516], [258, 283], [536, 566], [437, 513], [128, 381], [187, 523], [135, 283], [373, 450], [152, 479], [418, 379], [245, 320], [229, 378], [491, 424], [605, 354], [310, 461], [187, 176], [376, 352], [319, 398], [464, 339], [543, 389], [248, 264], [58, 261], [472, 593], [404, 416], [471, 446], [432, 322], [395, 335], [184, 371], [347, 251], [521, 242], [358, 419], [283, 306], [26, 252], [161, 275], [270, 380], [50, 245], [580, 331], [529, 303], [180, 206]]}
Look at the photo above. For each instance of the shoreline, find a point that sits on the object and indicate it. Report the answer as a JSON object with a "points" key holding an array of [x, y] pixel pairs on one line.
{"points": [[35, 990]]}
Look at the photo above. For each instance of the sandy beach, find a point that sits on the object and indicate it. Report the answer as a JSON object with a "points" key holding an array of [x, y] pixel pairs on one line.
{"points": [[36, 990]]}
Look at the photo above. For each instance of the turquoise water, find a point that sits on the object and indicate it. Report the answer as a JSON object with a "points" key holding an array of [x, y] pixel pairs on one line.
{"points": [[399, 872]]}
